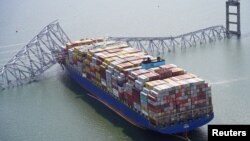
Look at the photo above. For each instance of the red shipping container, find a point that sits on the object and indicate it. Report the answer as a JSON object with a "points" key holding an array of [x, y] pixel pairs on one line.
{"points": [[130, 102], [169, 97], [136, 95], [103, 75], [121, 95], [164, 73], [194, 98], [200, 104], [169, 104], [179, 94], [181, 101], [152, 76], [98, 62], [152, 98], [177, 71], [155, 109], [136, 73], [209, 101], [131, 58], [135, 91], [129, 96], [129, 99], [92, 69], [201, 96], [88, 75], [125, 95], [114, 50], [102, 68], [206, 85], [130, 77]]}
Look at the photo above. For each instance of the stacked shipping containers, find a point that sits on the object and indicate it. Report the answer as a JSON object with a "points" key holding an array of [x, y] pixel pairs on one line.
{"points": [[165, 94]]}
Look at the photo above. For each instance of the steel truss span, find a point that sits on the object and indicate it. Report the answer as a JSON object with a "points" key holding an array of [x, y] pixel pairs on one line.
{"points": [[34, 58], [41, 52], [159, 45]]}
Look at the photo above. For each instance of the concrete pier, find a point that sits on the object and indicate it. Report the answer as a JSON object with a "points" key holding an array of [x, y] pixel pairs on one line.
{"points": [[229, 14]]}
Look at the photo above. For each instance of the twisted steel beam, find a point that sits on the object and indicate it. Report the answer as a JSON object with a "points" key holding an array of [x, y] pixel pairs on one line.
{"points": [[34, 58]]}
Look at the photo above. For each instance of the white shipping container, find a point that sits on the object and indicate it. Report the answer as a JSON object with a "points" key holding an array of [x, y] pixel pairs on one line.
{"points": [[162, 88], [157, 103], [139, 85], [103, 81], [94, 60], [132, 83], [144, 112], [143, 78], [199, 81], [154, 94], [137, 106], [116, 72], [122, 75], [119, 78], [110, 69], [108, 74], [120, 89], [115, 92], [96, 55], [146, 90]]}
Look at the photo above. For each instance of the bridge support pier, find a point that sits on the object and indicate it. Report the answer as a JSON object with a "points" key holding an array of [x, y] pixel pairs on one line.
{"points": [[236, 4]]}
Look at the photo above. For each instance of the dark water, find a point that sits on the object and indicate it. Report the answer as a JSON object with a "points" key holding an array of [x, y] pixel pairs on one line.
{"points": [[56, 108]]}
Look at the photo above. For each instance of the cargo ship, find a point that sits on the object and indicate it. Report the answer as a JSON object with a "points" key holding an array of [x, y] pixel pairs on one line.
{"points": [[138, 87]]}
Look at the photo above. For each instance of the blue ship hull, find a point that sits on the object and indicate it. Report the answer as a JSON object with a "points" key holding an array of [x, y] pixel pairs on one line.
{"points": [[131, 115]]}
